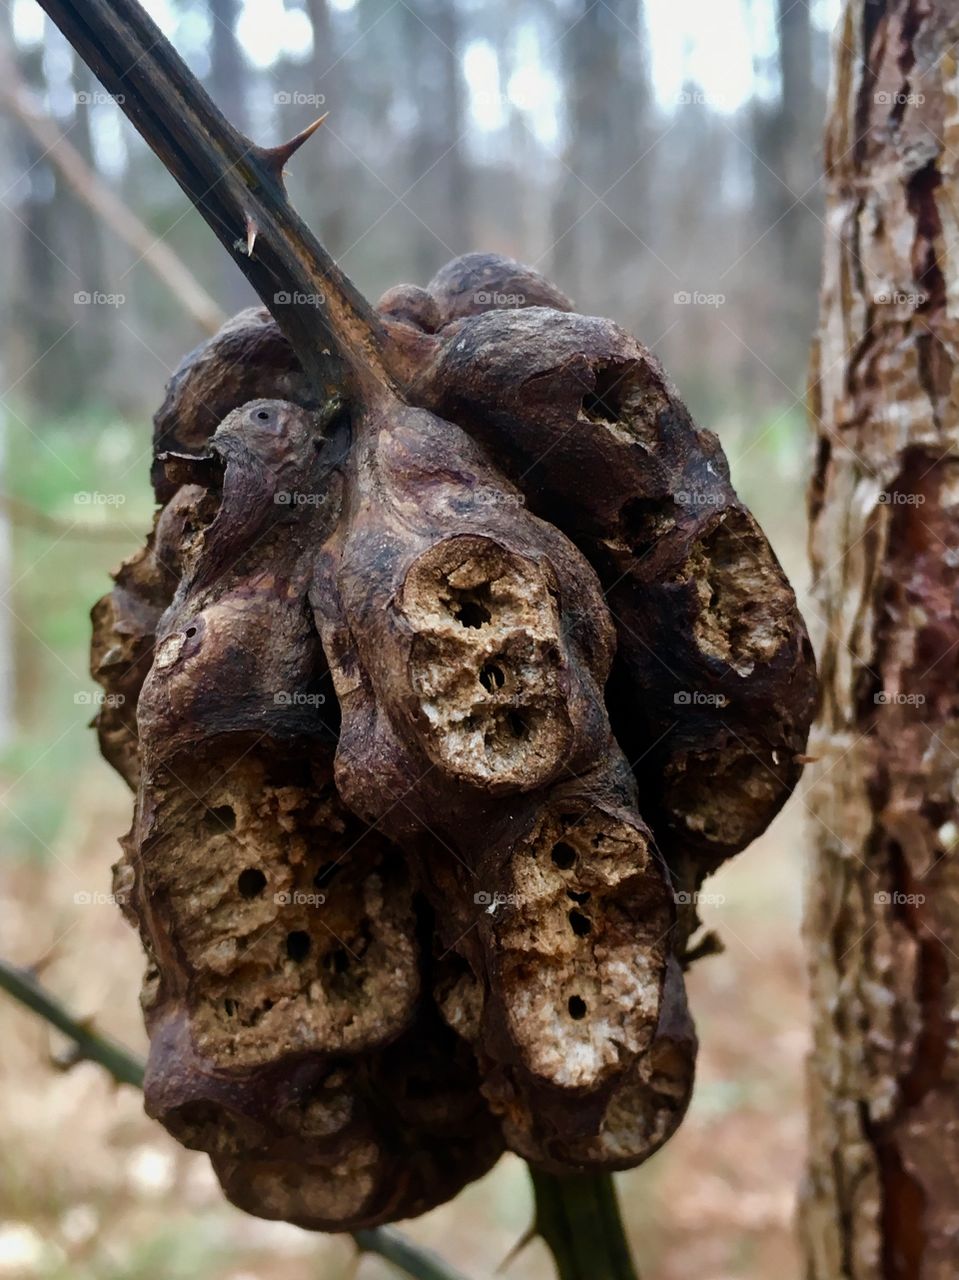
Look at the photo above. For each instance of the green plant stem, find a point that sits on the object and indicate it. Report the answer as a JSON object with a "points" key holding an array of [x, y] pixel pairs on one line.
{"points": [[578, 1217], [411, 1258], [126, 1068], [121, 1063]]}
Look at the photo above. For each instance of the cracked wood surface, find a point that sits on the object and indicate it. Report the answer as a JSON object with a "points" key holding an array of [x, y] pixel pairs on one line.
{"points": [[881, 1199]]}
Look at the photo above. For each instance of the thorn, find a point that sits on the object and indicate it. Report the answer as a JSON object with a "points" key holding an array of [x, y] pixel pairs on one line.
{"points": [[526, 1238], [251, 230], [37, 968], [275, 158], [67, 1059]]}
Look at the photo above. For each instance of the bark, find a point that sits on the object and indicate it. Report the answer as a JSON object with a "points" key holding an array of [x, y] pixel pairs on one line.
{"points": [[883, 900]]}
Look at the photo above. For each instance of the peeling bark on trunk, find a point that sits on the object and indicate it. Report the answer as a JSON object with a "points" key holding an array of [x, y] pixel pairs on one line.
{"points": [[882, 1195]]}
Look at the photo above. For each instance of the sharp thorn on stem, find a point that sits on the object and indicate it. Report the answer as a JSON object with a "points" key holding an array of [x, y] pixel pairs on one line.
{"points": [[275, 158]]}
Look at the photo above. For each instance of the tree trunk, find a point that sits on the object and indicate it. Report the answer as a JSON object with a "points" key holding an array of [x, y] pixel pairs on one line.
{"points": [[883, 900]]}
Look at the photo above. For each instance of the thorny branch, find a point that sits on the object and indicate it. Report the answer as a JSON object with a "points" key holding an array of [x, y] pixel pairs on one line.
{"points": [[126, 1068]]}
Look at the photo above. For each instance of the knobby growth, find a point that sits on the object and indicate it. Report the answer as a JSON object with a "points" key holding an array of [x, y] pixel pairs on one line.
{"points": [[450, 668], [437, 712]]}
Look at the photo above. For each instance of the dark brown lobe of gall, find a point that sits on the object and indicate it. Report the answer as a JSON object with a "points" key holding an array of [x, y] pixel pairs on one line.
{"points": [[437, 713]]}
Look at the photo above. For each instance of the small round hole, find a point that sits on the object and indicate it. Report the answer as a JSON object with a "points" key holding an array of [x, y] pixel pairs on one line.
{"points": [[324, 875], [517, 727], [577, 1007], [251, 882], [563, 855], [491, 677], [580, 924], [298, 944], [190, 632], [472, 614], [338, 961], [220, 819]]}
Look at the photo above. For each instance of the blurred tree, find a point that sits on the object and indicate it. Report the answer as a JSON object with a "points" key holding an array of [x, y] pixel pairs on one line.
{"points": [[43, 285], [229, 88], [600, 216], [438, 181], [883, 894]]}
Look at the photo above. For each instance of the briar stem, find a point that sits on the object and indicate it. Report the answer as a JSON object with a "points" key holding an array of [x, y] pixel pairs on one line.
{"points": [[126, 1068], [237, 187], [578, 1217]]}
